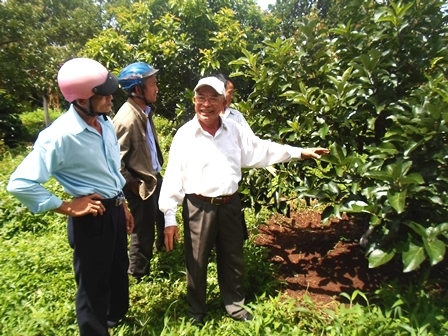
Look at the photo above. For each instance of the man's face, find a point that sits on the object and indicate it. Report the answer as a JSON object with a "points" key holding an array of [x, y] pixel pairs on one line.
{"points": [[208, 105], [229, 93], [102, 104], [150, 89]]}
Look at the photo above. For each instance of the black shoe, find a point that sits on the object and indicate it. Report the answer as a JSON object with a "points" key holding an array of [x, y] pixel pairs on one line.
{"points": [[245, 318], [111, 324], [197, 321], [159, 248]]}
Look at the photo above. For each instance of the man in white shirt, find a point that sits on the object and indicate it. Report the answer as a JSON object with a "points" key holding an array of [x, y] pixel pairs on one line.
{"points": [[237, 116], [203, 172], [230, 113]]}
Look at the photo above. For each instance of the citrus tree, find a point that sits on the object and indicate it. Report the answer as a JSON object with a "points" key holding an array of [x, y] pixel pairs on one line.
{"points": [[373, 89]]}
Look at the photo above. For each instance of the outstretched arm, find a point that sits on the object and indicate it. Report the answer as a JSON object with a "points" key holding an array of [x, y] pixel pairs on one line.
{"points": [[313, 153]]}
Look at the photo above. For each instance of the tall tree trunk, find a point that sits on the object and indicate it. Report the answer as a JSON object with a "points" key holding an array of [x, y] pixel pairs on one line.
{"points": [[46, 114]]}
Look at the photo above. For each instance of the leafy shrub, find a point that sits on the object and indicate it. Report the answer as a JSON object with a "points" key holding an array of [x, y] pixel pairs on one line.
{"points": [[11, 129], [373, 90]]}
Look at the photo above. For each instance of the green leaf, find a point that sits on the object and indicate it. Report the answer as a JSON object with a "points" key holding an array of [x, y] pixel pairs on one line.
{"points": [[400, 169], [413, 257], [435, 250], [330, 158], [331, 187], [419, 229], [337, 152], [375, 220], [353, 206], [327, 214], [441, 228], [397, 200], [379, 175], [379, 257], [323, 131], [339, 171], [413, 178]]}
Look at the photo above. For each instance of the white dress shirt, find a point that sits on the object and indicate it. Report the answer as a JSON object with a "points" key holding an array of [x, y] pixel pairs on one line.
{"points": [[200, 163], [238, 117]]}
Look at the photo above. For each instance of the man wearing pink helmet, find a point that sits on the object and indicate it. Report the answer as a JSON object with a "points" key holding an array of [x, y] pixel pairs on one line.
{"points": [[80, 150]]}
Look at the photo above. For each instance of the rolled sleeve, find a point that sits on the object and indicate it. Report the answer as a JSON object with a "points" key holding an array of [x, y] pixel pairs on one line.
{"points": [[34, 196]]}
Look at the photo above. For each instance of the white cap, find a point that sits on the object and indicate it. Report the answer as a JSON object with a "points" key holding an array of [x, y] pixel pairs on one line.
{"points": [[214, 82]]}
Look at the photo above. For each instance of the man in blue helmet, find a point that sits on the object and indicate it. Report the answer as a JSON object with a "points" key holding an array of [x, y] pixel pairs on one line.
{"points": [[141, 163]]}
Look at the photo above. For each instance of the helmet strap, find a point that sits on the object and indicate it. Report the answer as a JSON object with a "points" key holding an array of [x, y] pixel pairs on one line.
{"points": [[142, 97], [90, 113]]}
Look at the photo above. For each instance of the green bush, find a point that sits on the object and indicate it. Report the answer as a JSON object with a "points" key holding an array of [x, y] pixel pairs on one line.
{"points": [[12, 130], [373, 90]]}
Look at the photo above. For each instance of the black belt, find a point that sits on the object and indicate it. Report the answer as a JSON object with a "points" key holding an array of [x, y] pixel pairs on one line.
{"points": [[218, 200], [113, 202]]}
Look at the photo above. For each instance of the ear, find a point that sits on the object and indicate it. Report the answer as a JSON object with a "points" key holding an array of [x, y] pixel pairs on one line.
{"points": [[138, 90], [224, 104], [82, 102]]}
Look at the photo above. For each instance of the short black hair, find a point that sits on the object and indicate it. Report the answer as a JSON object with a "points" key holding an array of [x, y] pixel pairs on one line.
{"points": [[223, 79]]}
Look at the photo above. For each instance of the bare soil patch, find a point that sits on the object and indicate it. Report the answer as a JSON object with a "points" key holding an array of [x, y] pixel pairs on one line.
{"points": [[322, 261]]}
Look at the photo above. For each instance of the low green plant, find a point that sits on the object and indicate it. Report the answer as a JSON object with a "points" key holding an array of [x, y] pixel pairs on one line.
{"points": [[12, 130], [34, 122]]}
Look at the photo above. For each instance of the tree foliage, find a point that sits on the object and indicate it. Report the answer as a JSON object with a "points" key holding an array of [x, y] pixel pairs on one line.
{"points": [[375, 92], [184, 39], [291, 12], [35, 37]]}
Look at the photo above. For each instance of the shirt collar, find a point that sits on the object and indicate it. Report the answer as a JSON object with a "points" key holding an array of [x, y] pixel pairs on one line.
{"points": [[226, 113], [198, 127], [77, 123]]}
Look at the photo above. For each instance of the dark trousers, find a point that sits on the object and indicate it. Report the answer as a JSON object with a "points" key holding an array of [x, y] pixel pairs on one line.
{"points": [[100, 264], [147, 218], [207, 226]]}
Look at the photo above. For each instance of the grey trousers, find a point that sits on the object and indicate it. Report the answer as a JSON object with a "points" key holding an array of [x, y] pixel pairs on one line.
{"points": [[207, 226], [147, 220]]}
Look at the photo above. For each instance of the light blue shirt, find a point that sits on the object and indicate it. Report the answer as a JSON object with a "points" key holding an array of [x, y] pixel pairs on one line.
{"points": [[82, 160], [152, 143]]}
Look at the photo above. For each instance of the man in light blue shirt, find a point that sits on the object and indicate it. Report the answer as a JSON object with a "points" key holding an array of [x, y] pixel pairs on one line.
{"points": [[80, 150]]}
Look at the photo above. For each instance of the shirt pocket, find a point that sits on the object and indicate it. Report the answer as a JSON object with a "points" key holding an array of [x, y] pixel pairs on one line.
{"points": [[113, 154]]}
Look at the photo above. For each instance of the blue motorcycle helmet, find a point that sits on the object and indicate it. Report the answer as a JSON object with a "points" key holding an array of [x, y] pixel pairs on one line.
{"points": [[134, 75]]}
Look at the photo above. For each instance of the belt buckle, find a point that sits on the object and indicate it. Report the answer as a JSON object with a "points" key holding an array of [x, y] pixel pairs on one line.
{"points": [[219, 198], [119, 200]]}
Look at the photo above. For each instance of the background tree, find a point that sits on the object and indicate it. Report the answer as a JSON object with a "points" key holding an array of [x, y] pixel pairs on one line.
{"points": [[291, 12], [185, 39], [36, 36]]}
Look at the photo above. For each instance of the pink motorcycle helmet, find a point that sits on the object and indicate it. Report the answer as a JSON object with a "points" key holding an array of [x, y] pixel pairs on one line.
{"points": [[81, 78]]}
